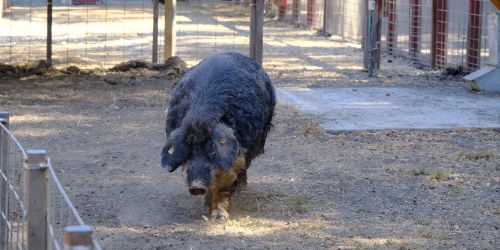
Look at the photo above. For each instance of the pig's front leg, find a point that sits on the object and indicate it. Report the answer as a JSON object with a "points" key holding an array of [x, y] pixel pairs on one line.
{"points": [[218, 204], [222, 188]]}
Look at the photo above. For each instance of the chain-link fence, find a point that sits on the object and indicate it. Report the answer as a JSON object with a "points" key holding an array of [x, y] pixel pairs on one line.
{"points": [[35, 210]]}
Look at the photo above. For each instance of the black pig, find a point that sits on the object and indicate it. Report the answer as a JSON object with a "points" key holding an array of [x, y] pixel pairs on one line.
{"points": [[218, 119]]}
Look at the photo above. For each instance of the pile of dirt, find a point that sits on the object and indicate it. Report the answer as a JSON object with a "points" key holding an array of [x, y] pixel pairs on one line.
{"points": [[37, 68], [173, 67]]}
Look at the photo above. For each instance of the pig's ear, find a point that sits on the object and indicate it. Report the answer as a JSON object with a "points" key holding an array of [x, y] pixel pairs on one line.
{"points": [[175, 152], [223, 147]]}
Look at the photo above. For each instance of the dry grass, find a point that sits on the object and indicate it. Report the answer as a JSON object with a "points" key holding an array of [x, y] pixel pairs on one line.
{"points": [[434, 173], [477, 155], [298, 204]]}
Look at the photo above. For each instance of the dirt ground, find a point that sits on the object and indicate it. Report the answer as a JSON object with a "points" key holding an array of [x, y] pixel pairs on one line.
{"points": [[311, 189]]}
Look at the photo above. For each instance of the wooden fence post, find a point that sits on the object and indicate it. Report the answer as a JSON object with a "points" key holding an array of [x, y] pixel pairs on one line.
{"points": [[35, 199], [155, 31], [78, 238], [4, 5], [257, 30], [438, 39], [170, 36], [474, 35], [4, 154], [49, 32]]}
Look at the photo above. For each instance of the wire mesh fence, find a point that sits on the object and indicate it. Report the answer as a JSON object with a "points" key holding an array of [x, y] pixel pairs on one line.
{"points": [[344, 18], [106, 32], [34, 207], [61, 212], [12, 221], [205, 27], [84, 33], [306, 13], [438, 33]]}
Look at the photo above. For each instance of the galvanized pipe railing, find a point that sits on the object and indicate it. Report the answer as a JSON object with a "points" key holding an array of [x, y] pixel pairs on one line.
{"points": [[35, 211]]}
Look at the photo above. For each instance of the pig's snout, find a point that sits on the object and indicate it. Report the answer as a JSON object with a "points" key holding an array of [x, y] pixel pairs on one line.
{"points": [[197, 187]]}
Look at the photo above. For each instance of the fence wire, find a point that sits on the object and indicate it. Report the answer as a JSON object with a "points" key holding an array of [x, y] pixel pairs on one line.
{"points": [[460, 37], [101, 34], [345, 18], [306, 13], [61, 212], [12, 221], [437, 33], [206, 27]]}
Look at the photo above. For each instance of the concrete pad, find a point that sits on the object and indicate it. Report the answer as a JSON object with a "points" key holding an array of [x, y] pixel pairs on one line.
{"points": [[377, 108]]}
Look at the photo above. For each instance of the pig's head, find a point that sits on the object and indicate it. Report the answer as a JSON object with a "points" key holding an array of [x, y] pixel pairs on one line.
{"points": [[200, 152]]}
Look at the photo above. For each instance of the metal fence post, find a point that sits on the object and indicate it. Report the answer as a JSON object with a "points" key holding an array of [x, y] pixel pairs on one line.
{"points": [[78, 238], [310, 13], [370, 38], [391, 26], [438, 39], [35, 199], [4, 154], [474, 35], [257, 30], [415, 29]]}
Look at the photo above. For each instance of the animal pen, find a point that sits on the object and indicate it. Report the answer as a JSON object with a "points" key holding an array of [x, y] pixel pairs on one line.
{"points": [[102, 33], [431, 34]]}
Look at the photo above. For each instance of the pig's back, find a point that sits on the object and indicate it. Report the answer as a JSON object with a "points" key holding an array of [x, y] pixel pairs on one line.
{"points": [[231, 88]]}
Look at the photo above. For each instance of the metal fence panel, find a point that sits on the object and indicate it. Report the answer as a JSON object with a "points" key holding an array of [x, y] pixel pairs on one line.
{"points": [[456, 30], [12, 212], [14, 199]]}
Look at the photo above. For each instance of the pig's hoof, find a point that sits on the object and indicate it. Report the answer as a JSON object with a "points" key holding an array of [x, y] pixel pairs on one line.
{"points": [[219, 215]]}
